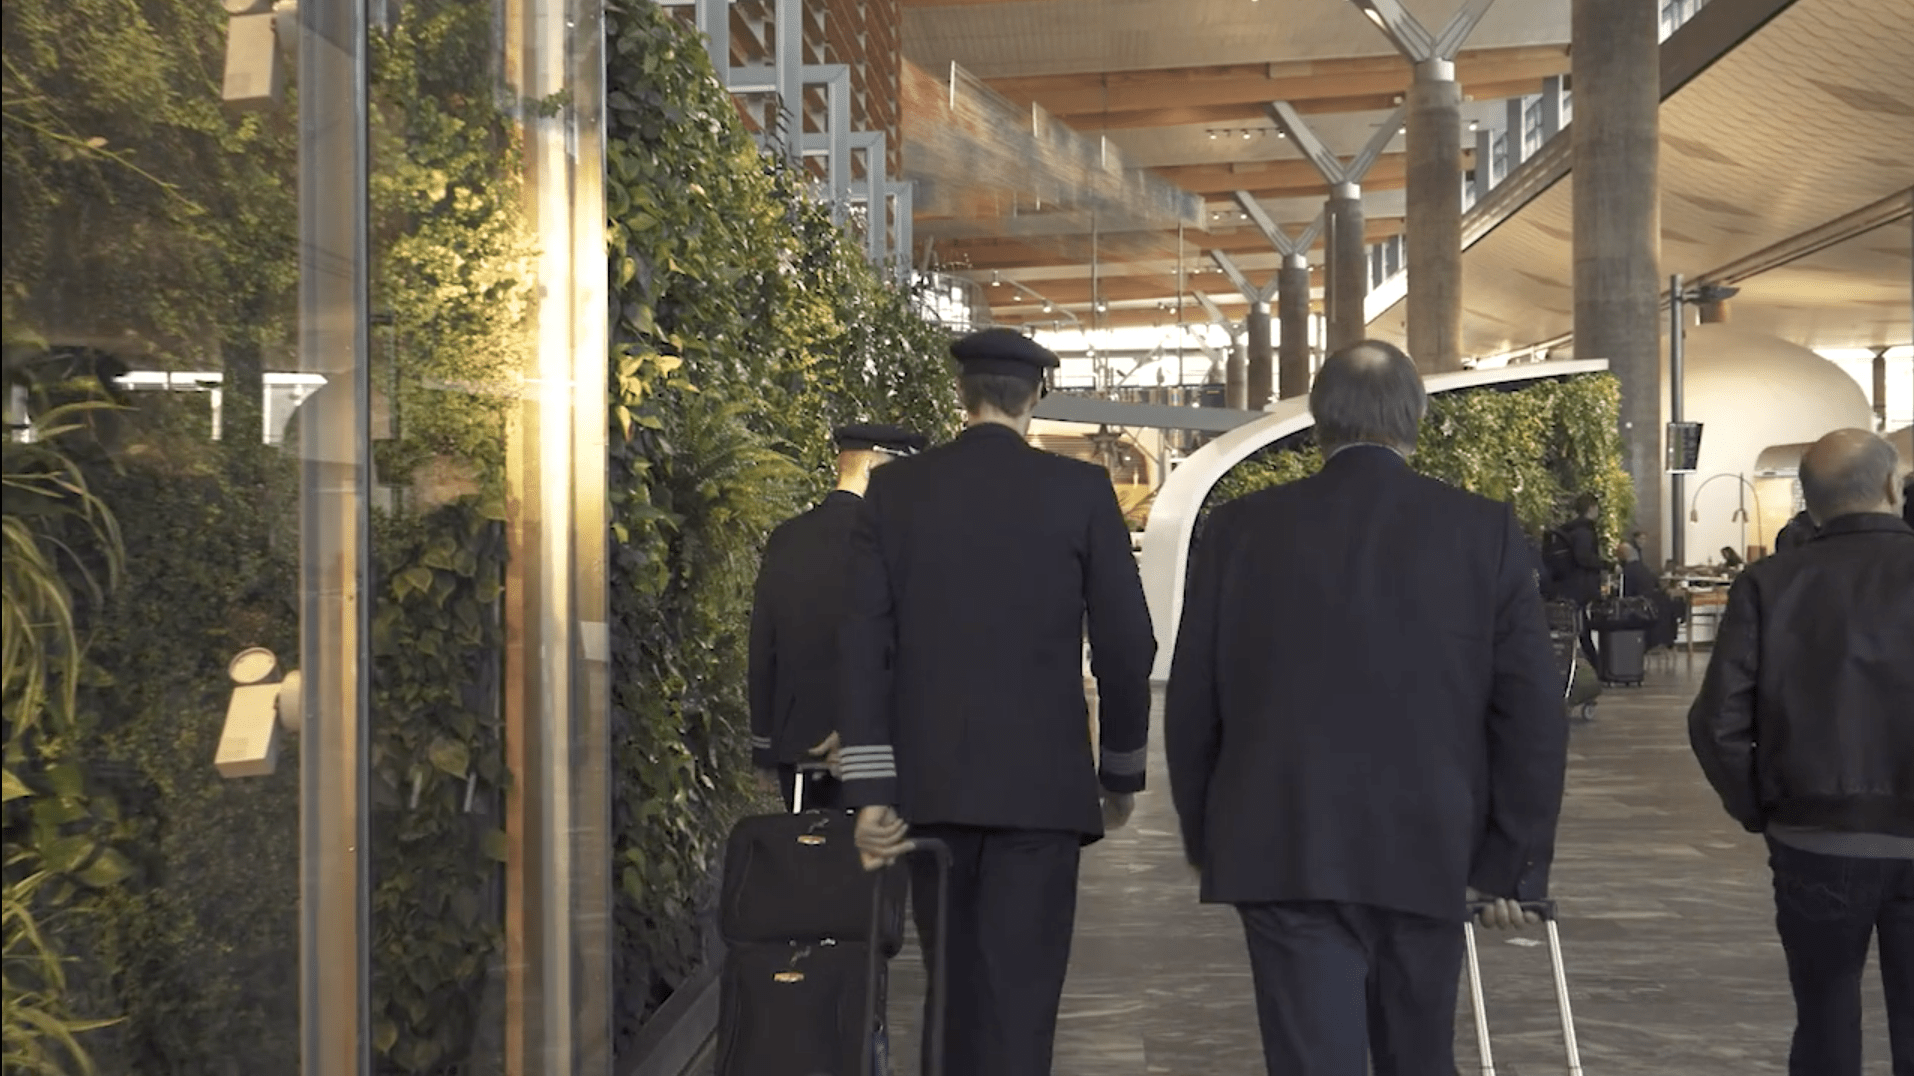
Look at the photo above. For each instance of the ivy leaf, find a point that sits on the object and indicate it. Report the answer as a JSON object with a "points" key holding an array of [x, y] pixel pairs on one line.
{"points": [[15, 788], [450, 757], [108, 868], [492, 843], [416, 578], [384, 1034], [67, 780]]}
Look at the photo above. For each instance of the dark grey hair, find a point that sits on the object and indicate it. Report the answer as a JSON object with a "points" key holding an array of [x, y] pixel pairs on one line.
{"points": [[1851, 479], [1368, 393]]}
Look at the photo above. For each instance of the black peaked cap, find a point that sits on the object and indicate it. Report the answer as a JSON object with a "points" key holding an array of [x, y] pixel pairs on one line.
{"points": [[876, 437], [1003, 351]]}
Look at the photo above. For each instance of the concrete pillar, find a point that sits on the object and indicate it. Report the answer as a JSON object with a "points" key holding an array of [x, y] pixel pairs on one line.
{"points": [[1552, 92], [1616, 68], [1346, 272], [1518, 131], [1261, 365], [1292, 313], [1484, 163], [1236, 377], [1433, 232], [1880, 390]]}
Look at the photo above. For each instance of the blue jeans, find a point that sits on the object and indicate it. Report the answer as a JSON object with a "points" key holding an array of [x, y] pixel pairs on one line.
{"points": [[1828, 909]]}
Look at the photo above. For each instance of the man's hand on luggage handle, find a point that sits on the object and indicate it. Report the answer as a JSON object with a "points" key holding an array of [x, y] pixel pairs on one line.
{"points": [[1116, 809], [829, 752], [880, 836], [1501, 913], [768, 781]]}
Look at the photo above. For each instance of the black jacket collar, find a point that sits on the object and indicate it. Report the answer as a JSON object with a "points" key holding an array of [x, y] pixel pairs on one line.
{"points": [[1366, 457], [1864, 523], [985, 431], [841, 496]]}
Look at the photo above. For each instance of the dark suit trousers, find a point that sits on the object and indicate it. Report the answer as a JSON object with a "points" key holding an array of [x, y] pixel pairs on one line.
{"points": [[1338, 982], [1013, 905]]}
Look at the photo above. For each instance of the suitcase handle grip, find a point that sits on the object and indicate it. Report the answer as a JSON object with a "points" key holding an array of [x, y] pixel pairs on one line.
{"points": [[1543, 908]]}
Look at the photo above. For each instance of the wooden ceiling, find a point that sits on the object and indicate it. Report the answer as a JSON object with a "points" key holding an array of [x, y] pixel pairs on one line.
{"points": [[1191, 120]]}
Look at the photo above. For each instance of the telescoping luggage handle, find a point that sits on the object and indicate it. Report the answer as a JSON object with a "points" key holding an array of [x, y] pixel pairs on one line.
{"points": [[939, 965], [805, 772], [1546, 909]]}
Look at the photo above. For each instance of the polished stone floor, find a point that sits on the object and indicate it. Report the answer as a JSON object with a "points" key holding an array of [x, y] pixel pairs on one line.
{"points": [[1672, 964]]}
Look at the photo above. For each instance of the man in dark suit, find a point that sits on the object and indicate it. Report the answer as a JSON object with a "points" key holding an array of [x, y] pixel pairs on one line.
{"points": [[1365, 731], [1805, 727], [975, 569], [795, 615]]}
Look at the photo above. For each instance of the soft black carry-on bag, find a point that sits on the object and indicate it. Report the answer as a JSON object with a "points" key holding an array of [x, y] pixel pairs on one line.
{"points": [[797, 877], [809, 933], [1546, 909]]}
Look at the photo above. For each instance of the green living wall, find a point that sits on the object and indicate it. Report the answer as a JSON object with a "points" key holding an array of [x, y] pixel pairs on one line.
{"points": [[746, 326], [150, 227], [1535, 446]]}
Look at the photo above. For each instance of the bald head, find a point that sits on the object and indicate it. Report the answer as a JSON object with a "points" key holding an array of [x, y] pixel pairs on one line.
{"points": [[1850, 472], [1368, 393]]}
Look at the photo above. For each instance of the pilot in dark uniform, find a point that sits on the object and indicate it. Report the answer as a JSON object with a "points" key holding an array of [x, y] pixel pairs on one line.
{"points": [[974, 570], [795, 617]]}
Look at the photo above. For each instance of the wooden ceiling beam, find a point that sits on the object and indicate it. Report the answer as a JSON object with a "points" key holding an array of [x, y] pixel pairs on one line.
{"points": [[1256, 110], [1298, 82], [1011, 254]]}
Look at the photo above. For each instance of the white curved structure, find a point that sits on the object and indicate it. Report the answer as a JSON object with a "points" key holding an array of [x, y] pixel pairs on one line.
{"points": [[1166, 540], [1751, 391]]}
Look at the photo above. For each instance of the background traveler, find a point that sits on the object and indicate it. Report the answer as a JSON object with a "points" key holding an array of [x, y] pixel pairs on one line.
{"points": [[1798, 532], [1805, 727]]}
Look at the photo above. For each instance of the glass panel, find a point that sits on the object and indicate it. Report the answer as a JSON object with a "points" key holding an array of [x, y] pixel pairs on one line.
{"points": [[151, 316], [488, 363]]}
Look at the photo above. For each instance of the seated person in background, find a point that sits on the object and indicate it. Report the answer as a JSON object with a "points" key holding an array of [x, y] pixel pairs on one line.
{"points": [[1799, 532]]}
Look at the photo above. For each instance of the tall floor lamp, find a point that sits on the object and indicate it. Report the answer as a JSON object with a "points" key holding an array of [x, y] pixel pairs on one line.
{"points": [[1741, 510]]}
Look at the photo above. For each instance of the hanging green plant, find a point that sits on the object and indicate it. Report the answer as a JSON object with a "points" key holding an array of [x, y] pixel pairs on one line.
{"points": [[1534, 447], [60, 832]]}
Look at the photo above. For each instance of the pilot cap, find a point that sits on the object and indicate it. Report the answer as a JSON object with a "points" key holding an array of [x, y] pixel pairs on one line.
{"points": [[1003, 351], [875, 437]]}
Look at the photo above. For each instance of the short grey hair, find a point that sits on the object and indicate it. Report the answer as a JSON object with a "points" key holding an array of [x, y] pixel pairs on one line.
{"points": [[1847, 472], [1368, 393]]}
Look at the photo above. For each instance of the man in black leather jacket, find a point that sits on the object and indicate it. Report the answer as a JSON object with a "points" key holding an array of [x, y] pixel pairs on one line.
{"points": [[1805, 727]]}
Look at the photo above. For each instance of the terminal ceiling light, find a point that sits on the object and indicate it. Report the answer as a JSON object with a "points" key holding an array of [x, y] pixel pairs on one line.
{"points": [[1244, 133]]}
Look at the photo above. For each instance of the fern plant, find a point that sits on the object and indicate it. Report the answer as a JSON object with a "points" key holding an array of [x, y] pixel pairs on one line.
{"points": [[55, 530]]}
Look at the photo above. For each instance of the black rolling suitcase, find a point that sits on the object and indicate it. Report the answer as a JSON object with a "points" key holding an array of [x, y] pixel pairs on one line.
{"points": [[1546, 908], [809, 935], [1621, 626]]}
